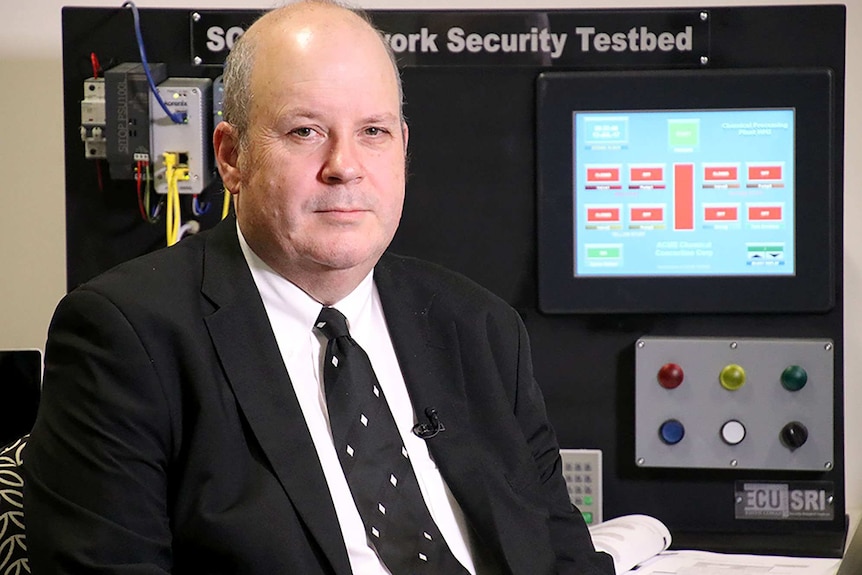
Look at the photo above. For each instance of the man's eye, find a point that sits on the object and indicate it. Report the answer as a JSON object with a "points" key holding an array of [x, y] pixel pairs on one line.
{"points": [[373, 131], [302, 132]]}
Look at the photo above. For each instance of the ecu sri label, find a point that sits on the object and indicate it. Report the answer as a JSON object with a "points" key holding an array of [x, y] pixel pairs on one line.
{"points": [[785, 501]]}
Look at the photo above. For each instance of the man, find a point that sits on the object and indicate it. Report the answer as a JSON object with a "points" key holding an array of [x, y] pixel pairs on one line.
{"points": [[184, 425]]}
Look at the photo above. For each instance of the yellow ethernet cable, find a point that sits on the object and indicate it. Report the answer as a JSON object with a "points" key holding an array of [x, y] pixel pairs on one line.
{"points": [[225, 208], [172, 217]]}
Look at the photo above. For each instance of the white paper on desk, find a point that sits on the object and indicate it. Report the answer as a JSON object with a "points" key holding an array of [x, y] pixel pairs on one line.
{"points": [[707, 563]]}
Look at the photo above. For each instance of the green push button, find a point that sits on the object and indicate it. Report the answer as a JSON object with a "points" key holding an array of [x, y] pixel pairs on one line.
{"points": [[588, 517], [588, 499], [794, 378]]}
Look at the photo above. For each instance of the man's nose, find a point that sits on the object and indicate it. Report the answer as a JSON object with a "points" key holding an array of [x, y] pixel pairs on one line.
{"points": [[343, 162]]}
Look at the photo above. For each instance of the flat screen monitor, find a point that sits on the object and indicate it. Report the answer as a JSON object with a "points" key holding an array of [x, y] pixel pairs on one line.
{"points": [[707, 191]]}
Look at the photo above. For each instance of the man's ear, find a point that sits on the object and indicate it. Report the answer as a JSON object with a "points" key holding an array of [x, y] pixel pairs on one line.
{"points": [[226, 146]]}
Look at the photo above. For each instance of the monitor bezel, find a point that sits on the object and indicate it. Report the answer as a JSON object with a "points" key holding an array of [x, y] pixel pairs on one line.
{"points": [[807, 91]]}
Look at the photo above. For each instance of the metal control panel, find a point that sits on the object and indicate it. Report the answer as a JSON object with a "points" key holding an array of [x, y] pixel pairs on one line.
{"points": [[734, 403]]}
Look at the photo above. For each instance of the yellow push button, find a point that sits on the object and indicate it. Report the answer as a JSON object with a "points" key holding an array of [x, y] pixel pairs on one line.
{"points": [[732, 377]]}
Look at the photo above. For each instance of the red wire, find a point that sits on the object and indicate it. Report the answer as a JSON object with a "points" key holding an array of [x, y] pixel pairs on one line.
{"points": [[95, 62], [138, 177]]}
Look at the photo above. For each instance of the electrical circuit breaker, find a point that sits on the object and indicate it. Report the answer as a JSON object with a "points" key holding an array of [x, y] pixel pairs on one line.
{"points": [[93, 119]]}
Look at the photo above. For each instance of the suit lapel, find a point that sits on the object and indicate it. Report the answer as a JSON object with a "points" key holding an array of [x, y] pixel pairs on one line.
{"points": [[243, 339], [426, 358], [428, 353]]}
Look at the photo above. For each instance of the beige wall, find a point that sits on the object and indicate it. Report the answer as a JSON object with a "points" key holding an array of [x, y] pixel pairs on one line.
{"points": [[32, 234]]}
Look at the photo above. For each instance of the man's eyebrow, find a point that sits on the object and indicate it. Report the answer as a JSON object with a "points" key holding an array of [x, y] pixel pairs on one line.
{"points": [[299, 113], [309, 114], [384, 118]]}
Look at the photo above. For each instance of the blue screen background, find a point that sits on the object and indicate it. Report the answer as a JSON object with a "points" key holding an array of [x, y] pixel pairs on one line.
{"points": [[658, 141]]}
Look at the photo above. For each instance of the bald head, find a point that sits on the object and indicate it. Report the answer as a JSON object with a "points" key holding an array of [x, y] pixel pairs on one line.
{"points": [[298, 25]]}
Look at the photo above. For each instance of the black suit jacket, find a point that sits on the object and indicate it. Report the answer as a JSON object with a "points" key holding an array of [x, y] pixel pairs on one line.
{"points": [[169, 438]]}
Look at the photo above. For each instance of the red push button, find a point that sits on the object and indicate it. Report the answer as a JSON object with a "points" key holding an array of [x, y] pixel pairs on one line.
{"points": [[670, 376]]}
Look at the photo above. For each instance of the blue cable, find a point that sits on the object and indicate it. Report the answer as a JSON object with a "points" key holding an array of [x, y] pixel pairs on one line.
{"points": [[199, 208], [176, 117]]}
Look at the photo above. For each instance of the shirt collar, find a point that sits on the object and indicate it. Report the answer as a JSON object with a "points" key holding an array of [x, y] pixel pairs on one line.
{"points": [[300, 309]]}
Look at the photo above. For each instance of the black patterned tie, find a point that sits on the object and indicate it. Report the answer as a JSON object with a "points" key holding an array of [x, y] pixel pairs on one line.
{"points": [[375, 462]]}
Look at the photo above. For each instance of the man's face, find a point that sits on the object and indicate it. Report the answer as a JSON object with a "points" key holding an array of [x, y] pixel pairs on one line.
{"points": [[322, 173]]}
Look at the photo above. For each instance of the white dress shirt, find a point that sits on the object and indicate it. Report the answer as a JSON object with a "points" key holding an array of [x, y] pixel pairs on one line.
{"points": [[292, 314]]}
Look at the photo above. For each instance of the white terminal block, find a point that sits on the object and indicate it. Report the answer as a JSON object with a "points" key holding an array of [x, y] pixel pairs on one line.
{"points": [[582, 470], [190, 140]]}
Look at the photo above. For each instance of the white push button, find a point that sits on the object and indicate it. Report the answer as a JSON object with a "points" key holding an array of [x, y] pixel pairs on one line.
{"points": [[732, 432]]}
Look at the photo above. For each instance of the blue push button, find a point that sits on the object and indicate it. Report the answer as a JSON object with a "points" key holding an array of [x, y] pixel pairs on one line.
{"points": [[671, 431]]}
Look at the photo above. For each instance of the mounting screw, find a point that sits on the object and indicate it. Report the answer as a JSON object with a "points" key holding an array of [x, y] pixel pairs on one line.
{"points": [[828, 347], [641, 461], [733, 463], [704, 16], [704, 60], [733, 345], [830, 500], [641, 343], [738, 499], [198, 61], [827, 465], [196, 17]]}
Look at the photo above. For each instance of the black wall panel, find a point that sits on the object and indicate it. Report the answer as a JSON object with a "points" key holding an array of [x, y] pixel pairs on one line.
{"points": [[471, 206]]}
